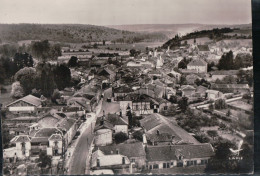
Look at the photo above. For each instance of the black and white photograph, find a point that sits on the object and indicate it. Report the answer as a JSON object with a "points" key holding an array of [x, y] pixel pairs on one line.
{"points": [[113, 87]]}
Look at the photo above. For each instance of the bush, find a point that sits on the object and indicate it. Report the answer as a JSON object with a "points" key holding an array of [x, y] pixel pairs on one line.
{"points": [[120, 137], [138, 135]]}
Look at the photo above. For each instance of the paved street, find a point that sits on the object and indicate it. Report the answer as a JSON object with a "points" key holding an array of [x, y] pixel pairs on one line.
{"points": [[79, 157]]}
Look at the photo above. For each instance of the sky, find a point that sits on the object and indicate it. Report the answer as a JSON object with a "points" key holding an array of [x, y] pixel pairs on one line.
{"points": [[120, 12]]}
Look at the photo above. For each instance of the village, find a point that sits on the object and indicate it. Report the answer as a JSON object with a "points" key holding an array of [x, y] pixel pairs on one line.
{"points": [[153, 110]]}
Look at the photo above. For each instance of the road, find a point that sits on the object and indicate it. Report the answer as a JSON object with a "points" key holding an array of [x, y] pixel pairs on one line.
{"points": [[79, 157]]}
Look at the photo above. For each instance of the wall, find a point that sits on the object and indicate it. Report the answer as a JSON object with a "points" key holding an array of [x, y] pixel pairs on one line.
{"points": [[121, 128], [103, 137]]}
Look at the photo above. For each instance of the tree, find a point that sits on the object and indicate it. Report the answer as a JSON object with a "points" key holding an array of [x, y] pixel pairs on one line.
{"points": [[2, 73], [22, 60], [226, 61], [44, 160], [17, 90], [56, 95], [55, 51], [134, 52], [171, 111], [183, 80], [211, 107], [62, 76], [41, 49], [220, 104], [26, 77], [182, 64], [73, 62], [138, 135], [120, 137], [221, 162], [183, 104], [45, 79], [130, 118], [212, 133]]}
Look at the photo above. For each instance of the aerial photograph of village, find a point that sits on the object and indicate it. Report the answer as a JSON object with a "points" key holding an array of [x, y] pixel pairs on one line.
{"points": [[92, 87]]}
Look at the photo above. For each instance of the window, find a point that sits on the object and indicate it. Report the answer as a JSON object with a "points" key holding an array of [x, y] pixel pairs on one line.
{"points": [[164, 165], [168, 165], [151, 166], [165, 108], [155, 166], [132, 160], [172, 163]]}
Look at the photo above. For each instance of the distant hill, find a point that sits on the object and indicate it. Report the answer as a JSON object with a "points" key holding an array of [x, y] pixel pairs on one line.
{"points": [[72, 33], [170, 30], [215, 34]]}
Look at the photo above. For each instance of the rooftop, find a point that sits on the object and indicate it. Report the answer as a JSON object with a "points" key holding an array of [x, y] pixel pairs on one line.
{"points": [[171, 152]]}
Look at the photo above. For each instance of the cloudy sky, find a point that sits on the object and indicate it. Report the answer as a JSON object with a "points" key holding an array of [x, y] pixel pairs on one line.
{"points": [[114, 12]]}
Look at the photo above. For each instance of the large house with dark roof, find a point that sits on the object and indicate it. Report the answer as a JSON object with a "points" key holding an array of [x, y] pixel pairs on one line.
{"points": [[198, 66], [169, 156]]}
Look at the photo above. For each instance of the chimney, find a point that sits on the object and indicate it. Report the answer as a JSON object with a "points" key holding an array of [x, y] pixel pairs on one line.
{"points": [[158, 132], [123, 160]]}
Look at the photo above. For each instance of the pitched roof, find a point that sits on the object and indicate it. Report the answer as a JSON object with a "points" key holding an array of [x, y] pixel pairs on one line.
{"points": [[46, 132], [35, 101], [171, 152], [197, 62], [203, 47], [187, 87], [129, 150], [230, 86], [39, 139], [122, 89], [115, 119], [21, 138], [55, 137], [161, 137], [66, 123], [104, 125]]}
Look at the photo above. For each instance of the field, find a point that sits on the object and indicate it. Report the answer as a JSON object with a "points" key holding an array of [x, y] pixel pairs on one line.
{"points": [[138, 46]]}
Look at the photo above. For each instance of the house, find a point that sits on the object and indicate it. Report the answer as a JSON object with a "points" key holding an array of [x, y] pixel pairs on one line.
{"points": [[69, 127], [22, 147], [103, 133], [231, 88], [121, 91], [221, 74], [203, 49], [27, 104], [159, 138], [155, 73], [107, 73], [73, 111], [112, 161], [55, 145], [191, 79], [153, 124], [146, 64], [201, 91], [49, 120], [198, 66], [187, 90], [175, 74], [169, 156], [135, 152], [119, 124], [214, 94]]}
